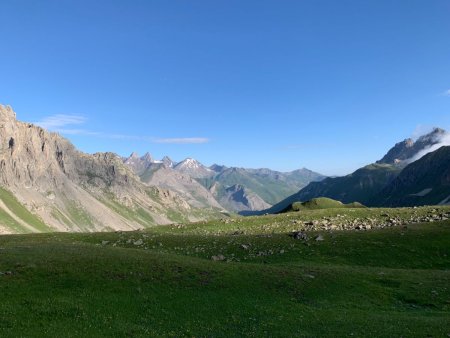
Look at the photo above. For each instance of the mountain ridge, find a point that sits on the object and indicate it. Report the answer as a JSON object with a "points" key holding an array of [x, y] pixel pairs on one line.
{"points": [[257, 188], [365, 184], [69, 190]]}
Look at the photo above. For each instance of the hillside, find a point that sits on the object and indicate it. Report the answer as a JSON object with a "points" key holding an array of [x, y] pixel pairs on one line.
{"points": [[271, 186], [360, 186], [53, 183], [366, 184], [423, 182], [321, 203], [242, 277], [238, 198]]}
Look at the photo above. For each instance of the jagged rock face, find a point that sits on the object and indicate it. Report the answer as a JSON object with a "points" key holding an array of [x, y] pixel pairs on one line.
{"points": [[167, 161], [71, 190], [407, 149], [139, 164]]}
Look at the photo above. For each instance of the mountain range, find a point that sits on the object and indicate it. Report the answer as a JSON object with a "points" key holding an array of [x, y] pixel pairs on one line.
{"points": [[231, 188], [46, 184], [411, 173]]}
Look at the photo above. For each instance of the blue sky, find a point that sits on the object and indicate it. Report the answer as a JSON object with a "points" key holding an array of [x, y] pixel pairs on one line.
{"points": [[327, 85]]}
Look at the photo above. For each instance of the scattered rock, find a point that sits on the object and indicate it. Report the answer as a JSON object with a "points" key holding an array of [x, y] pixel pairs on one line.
{"points": [[319, 238], [218, 258], [105, 242], [299, 235], [138, 242], [244, 246]]}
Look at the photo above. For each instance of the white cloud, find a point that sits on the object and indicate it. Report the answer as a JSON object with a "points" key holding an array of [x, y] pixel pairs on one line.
{"points": [[182, 140], [421, 129], [64, 124], [443, 140], [446, 93], [57, 122]]}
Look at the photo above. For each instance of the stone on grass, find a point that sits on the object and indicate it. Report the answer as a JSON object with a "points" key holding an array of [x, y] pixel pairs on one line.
{"points": [[218, 258], [319, 238], [299, 235], [138, 242]]}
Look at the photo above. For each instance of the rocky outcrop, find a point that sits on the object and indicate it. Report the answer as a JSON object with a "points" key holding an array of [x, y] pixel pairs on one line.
{"points": [[408, 148], [73, 191]]}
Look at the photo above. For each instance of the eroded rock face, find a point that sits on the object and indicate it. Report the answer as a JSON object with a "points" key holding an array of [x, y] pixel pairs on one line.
{"points": [[88, 192]]}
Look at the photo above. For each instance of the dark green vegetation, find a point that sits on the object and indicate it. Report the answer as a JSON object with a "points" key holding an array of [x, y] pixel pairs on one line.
{"points": [[426, 181], [388, 282], [422, 182], [321, 203], [361, 186]]}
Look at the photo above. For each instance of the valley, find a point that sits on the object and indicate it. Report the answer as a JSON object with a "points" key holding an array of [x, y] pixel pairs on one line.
{"points": [[221, 169], [103, 245]]}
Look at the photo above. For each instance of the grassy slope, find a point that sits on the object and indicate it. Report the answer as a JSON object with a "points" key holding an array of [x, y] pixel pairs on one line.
{"points": [[321, 203], [21, 212], [385, 283]]}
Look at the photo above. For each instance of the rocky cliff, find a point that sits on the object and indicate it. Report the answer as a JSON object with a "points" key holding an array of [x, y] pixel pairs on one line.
{"points": [[72, 191]]}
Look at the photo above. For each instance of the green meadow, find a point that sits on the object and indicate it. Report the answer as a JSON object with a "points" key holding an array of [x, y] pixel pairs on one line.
{"points": [[233, 278]]}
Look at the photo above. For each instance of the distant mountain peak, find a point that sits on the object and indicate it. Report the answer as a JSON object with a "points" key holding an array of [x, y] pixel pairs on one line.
{"points": [[190, 162], [147, 157], [217, 167], [193, 168], [167, 161], [132, 159], [408, 148]]}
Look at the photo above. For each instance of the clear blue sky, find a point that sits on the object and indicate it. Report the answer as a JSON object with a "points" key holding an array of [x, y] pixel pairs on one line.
{"points": [[327, 85]]}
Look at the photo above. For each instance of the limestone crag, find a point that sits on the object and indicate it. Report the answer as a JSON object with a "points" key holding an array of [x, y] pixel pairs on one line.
{"points": [[71, 190]]}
